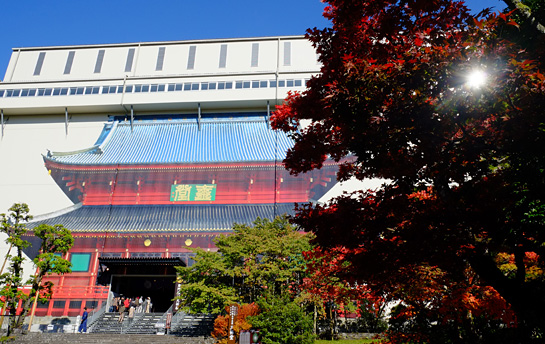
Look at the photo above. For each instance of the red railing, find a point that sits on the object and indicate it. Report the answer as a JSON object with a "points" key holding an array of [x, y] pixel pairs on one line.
{"points": [[84, 292]]}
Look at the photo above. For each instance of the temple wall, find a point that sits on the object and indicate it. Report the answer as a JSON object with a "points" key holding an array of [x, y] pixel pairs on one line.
{"points": [[23, 177]]}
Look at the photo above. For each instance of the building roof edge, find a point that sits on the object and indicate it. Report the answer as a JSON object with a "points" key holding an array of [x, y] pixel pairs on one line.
{"points": [[129, 44]]}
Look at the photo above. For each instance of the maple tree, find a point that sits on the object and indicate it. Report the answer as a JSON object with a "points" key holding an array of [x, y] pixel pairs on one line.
{"points": [[463, 164], [251, 261]]}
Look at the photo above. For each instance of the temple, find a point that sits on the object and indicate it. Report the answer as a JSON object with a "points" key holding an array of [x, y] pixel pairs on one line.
{"points": [[145, 151]]}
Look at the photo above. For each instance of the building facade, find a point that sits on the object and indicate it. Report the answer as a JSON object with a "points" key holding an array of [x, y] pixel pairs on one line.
{"points": [[147, 150]]}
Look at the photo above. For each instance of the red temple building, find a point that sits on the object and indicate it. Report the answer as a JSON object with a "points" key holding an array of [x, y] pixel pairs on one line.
{"points": [[184, 152]]}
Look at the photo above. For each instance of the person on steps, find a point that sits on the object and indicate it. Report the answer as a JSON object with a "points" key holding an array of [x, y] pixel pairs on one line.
{"points": [[121, 310], [83, 325]]}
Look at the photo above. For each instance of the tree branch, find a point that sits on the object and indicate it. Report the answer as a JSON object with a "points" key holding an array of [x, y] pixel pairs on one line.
{"points": [[527, 13]]}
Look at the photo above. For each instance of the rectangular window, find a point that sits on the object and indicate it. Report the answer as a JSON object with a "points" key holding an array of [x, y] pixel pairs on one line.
{"points": [[298, 83], [255, 54], [24, 92], [255, 84], [128, 89], [229, 85], [211, 85], [238, 84], [111, 254], [179, 87], [59, 303], [69, 61], [56, 91], [191, 57], [75, 304], [100, 58], [32, 92], [130, 58], [73, 90], [161, 87], [1, 93], [263, 84], [289, 83], [39, 63], [204, 86], [195, 86], [64, 91], [137, 88], [146, 255], [223, 55], [145, 88], [160, 58], [171, 87], [287, 53], [40, 304], [80, 262], [153, 88], [246, 84], [281, 83], [91, 304]]}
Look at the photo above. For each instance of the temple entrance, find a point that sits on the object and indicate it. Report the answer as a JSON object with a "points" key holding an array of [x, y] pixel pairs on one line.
{"points": [[142, 277], [160, 289]]}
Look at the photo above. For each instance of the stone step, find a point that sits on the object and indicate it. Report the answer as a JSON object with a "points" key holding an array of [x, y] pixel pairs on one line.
{"points": [[93, 338]]}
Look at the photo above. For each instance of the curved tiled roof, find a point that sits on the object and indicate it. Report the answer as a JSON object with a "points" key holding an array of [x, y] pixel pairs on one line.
{"points": [[221, 138], [162, 218]]}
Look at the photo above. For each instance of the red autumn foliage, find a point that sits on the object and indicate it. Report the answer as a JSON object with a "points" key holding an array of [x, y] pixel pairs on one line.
{"points": [[221, 324], [464, 165]]}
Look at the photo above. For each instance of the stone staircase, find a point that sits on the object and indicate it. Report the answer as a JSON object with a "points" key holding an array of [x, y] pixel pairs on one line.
{"points": [[183, 325], [106, 338], [143, 323], [193, 325]]}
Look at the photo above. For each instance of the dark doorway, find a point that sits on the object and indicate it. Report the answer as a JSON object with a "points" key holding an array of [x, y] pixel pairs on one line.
{"points": [[160, 289], [148, 277]]}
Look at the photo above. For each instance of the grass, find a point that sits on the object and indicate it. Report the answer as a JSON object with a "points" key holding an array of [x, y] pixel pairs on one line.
{"points": [[347, 341]]}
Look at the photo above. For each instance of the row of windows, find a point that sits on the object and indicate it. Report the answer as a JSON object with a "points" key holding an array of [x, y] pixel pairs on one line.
{"points": [[160, 58], [81, 261], [73, 304], [144, 88]]}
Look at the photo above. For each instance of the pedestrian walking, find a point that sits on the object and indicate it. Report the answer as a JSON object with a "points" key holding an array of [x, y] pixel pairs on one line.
{"points": [[140, 305], [121, 310], [131, 314], [83, 325], [148, 305]]}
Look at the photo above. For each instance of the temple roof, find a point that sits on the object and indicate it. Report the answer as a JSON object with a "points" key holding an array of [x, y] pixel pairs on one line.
{"points": [[190, 139], [161, 218]]}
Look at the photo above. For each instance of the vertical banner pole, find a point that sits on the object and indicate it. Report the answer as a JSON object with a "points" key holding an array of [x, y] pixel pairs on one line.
{"points": [[199, 117], [66, 121]]}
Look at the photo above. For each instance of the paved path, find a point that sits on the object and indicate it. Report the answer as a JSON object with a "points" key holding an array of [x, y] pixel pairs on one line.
{"points": [[93, 338]]}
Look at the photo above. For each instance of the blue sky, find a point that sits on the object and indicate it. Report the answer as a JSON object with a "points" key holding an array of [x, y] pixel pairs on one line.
{"points": [[31, 23]]}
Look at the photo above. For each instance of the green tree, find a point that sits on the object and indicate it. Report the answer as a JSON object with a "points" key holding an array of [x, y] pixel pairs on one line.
{"points": [[13, 225], [266, 257], [55, 242], [282, 321]]}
